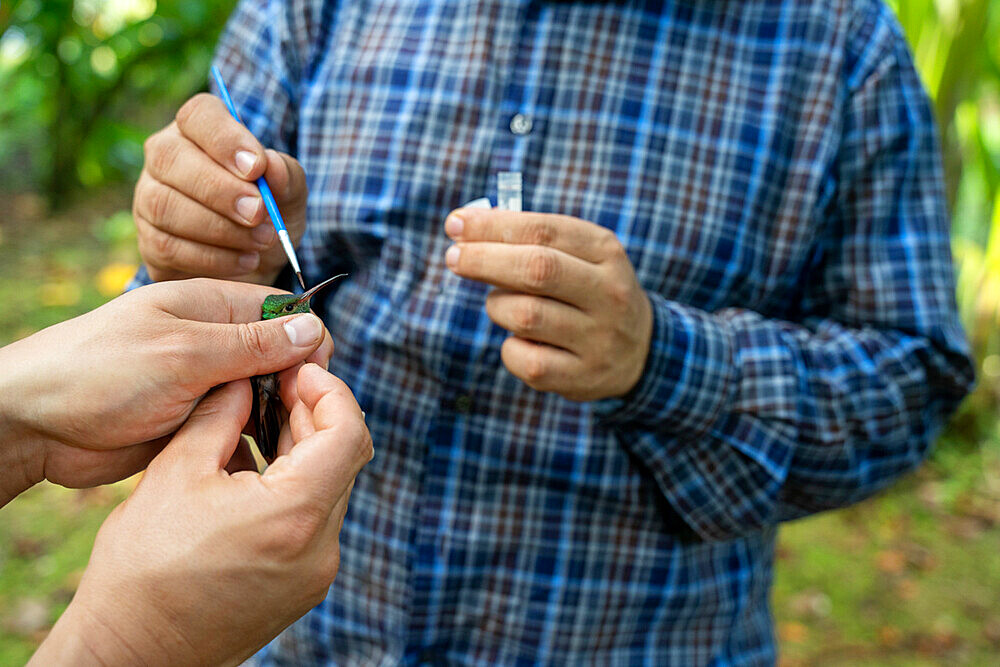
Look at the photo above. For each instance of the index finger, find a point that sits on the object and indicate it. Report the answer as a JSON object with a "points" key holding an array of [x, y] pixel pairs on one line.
{"points": [[205, 120], [571, 235], [210, 300]]}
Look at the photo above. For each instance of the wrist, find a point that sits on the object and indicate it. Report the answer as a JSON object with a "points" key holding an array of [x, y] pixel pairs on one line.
{"points": [[640, 364], [116, 620], [113, 632], [80, 637], [21, 457]]}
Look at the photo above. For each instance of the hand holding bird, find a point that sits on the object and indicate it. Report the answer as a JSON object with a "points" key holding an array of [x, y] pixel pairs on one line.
{"points": [[97, 395]]}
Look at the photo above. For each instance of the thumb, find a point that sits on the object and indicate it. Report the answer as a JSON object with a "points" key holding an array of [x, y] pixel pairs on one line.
{"points": [[234, 351], [325, 462], [209, 437]]}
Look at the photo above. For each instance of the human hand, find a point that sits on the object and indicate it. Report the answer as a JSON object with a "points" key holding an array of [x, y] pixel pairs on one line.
{"points": [[200, 566], [89, 401], [196, 207], [580, 322]]}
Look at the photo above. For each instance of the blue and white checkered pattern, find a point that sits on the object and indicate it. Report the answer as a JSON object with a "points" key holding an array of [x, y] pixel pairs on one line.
{"points": [[771, 167]]}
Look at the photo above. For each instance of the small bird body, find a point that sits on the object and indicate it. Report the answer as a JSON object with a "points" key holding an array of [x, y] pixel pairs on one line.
{"points": [[264, 413]]}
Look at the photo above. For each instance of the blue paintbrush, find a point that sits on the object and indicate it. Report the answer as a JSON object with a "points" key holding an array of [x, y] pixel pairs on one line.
{"points": [[265, 189]]}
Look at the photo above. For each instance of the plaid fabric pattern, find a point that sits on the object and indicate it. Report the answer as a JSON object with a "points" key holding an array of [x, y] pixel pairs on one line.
{"points": [[771, 167]]}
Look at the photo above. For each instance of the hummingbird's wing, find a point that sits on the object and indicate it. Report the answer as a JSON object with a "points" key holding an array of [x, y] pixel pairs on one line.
{"points": [[264, 414]]}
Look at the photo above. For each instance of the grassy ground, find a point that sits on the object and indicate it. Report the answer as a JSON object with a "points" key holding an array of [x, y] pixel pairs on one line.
{"points": [[899, 580], [909, 578]]}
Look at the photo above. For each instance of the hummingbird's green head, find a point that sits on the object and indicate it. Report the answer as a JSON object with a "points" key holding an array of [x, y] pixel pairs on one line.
{"points": [[280, 305]]}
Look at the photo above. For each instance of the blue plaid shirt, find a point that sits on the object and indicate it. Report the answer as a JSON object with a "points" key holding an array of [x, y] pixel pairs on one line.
{"points": [[771, 167]]}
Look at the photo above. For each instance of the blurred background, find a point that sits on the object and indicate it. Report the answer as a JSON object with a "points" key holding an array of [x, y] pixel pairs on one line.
{"points": [[909, 578]]}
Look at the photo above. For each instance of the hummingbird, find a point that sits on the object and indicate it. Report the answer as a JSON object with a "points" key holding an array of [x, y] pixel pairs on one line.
{"points": [[265, 404]]}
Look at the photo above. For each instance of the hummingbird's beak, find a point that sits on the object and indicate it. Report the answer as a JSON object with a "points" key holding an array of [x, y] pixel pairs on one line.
{"points": [[308, 294]]}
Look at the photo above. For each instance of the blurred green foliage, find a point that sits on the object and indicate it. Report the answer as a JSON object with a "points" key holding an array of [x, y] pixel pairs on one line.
{"points": [[83, 82], [956, 46]]}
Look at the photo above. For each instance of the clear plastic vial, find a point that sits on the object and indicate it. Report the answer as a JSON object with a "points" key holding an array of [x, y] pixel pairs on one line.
{"points": [[509, 191]]}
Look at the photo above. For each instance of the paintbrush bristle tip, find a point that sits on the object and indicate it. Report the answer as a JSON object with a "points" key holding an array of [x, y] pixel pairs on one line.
{"points": [[298, 274]]}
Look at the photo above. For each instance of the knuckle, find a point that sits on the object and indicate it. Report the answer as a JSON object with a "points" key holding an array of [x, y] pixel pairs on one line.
{"points": [[302, 522], [368, 448], [150, 144], [156, 202], [609, 245], [294, 541], [541, 269], [164, 247], [225, 140], [528, 316], [252, 338], [535, 368], [329, 566], [213, 260], [604, 360], [211, 185], [619, 294], [190, 109], [541, 233], [357, 433], [161, 155]]}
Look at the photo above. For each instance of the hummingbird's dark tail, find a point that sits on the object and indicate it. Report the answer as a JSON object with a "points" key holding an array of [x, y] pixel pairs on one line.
{"points": [[264, 414]]}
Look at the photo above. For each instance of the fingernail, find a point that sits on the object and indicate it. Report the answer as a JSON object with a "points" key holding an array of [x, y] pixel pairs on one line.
{"points": [[249, 261], [247, 207], [303, 330], [263, 234], [451, 257], [245, 160], [453, 226]]}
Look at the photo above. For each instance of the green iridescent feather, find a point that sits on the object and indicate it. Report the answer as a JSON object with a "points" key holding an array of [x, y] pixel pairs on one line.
{"points": [[265, 408]]}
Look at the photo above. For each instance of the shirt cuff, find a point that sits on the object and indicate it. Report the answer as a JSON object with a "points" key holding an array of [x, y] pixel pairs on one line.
{"points": [[140, 279], [689, 376]]}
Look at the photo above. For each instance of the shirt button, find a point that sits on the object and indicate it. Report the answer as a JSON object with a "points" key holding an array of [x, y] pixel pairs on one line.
{"points": [[520, 124], [463, 404]]}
